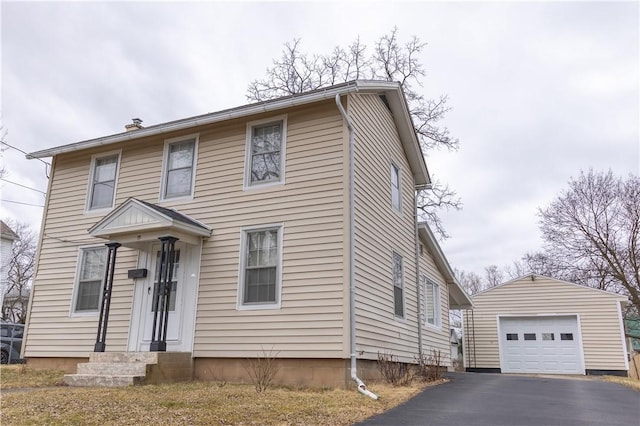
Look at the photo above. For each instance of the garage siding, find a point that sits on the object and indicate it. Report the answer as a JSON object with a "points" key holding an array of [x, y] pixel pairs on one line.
{"points": [[598, 313]]}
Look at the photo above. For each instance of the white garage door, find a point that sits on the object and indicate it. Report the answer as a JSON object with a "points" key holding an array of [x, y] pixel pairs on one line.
{"points": [[540, 345]]}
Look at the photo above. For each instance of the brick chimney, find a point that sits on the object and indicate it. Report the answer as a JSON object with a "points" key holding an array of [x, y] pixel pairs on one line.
{"points": [[136, 125]]}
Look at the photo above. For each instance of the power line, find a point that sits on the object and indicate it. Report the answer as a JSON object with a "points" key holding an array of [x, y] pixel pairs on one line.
{"points": [[46, 164], [19, 202], [24, 186]]}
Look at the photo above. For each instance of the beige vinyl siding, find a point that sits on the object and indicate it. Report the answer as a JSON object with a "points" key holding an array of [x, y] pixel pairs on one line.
{"points": [[310, 206], [53, 329], [436, 338], [597, 312], [380, 231]]}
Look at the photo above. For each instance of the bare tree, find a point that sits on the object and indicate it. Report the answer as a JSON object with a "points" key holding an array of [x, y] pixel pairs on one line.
{"points": [[493, 276], [296, 72], [20, 270], [592, 231], [470, 281]]}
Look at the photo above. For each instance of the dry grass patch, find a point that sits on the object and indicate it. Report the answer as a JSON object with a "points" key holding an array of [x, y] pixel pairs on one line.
{"points": [[626, 381], [198, 403], [21, 376]]}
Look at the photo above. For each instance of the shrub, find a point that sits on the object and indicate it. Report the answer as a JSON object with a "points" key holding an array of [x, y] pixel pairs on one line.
{"points": [[263, 369], [393, 371], [430, 366]]}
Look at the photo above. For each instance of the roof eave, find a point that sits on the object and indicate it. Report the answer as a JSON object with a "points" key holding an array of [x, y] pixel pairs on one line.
{"points": [[461, 298]]}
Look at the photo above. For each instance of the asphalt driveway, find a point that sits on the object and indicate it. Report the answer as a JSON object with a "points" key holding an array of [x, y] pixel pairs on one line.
{"points": [[498, 399]]}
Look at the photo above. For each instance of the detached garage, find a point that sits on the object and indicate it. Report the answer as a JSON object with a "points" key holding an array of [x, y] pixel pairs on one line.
{"points": [[537, 324]]}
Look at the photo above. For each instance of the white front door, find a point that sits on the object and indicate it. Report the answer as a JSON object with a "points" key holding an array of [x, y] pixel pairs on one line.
{"points": [[182, 296]]}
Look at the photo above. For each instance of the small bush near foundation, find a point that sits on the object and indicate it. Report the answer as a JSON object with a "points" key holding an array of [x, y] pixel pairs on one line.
{"points": [[263, 369], [430, 366], [393, 371]]}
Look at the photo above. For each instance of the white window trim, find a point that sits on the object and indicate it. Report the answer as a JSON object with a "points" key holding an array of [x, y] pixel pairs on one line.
{"points": [[165, 165], [392, 170], [92, 171], [404, 304], [241, 268], [76, 285], [247, 185], [437, 304]]}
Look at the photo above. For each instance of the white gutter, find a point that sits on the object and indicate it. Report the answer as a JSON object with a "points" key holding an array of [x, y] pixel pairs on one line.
{"points": [[362, 388]]}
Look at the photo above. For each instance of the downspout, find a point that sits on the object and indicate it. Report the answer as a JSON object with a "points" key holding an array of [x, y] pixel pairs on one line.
{"points": [[418, 283], [362, 388]]}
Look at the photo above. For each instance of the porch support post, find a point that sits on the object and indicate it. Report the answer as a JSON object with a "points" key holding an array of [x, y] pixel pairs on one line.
{"points": [[161, 295], [103, 321]]}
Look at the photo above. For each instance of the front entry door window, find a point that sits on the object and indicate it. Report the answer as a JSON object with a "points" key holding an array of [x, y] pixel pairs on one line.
{"points": [[175, 299], [174, 282]]}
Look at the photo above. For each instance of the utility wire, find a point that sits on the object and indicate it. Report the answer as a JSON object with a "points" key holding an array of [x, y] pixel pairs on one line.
{"points": [[19, 202], [24, 186], [46, 170]]}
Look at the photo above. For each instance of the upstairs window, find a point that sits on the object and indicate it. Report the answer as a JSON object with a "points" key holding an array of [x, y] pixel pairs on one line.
{"points": [[432, 302], [90, 276], [398, 286], [265, 152], [395, 187], [102, 181], [179, 167]]}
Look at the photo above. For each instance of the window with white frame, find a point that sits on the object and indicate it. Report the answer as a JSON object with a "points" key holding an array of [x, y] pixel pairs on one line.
{"points": [[260, 275], [102, 184], [398, 286], [395, 187], [178, 177], [265, 152], [90, 276], [432, 302]]}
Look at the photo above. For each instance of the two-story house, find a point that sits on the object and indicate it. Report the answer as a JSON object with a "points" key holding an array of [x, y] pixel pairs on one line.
{"points": [[286, 227]]}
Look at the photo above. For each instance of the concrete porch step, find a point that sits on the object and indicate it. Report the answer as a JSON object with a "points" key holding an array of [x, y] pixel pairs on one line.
{"points": [[113, 368], [102, 380]]}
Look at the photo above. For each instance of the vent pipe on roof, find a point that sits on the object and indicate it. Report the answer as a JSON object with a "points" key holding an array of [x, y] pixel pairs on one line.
{"points": [[135, 125]]}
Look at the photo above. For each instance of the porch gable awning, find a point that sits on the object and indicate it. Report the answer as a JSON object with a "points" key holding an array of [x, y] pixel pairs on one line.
{"points": [[136, 221]]}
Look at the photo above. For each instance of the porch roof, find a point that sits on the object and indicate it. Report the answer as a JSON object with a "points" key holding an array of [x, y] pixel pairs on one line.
{"points": [[136, 221]]}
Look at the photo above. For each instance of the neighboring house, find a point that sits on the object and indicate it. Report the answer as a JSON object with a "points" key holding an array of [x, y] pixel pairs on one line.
{"points": [[7, 238], [536, 324], [632, 327], [268, 236], [455, 344]]}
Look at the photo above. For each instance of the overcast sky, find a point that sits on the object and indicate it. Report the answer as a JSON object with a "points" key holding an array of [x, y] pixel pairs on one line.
{"points": [[539, 90]]}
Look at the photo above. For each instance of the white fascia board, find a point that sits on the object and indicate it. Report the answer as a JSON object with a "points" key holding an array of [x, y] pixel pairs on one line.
{"points": [[215, 117], [391, 90]]}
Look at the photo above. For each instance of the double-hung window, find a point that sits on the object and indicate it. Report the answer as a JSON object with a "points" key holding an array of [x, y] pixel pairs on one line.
{"points": [[102, 181], [398, 286], [90, 276], [265, 156], [260, 273], [395, 187], [179, 169], [432, 302]]}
